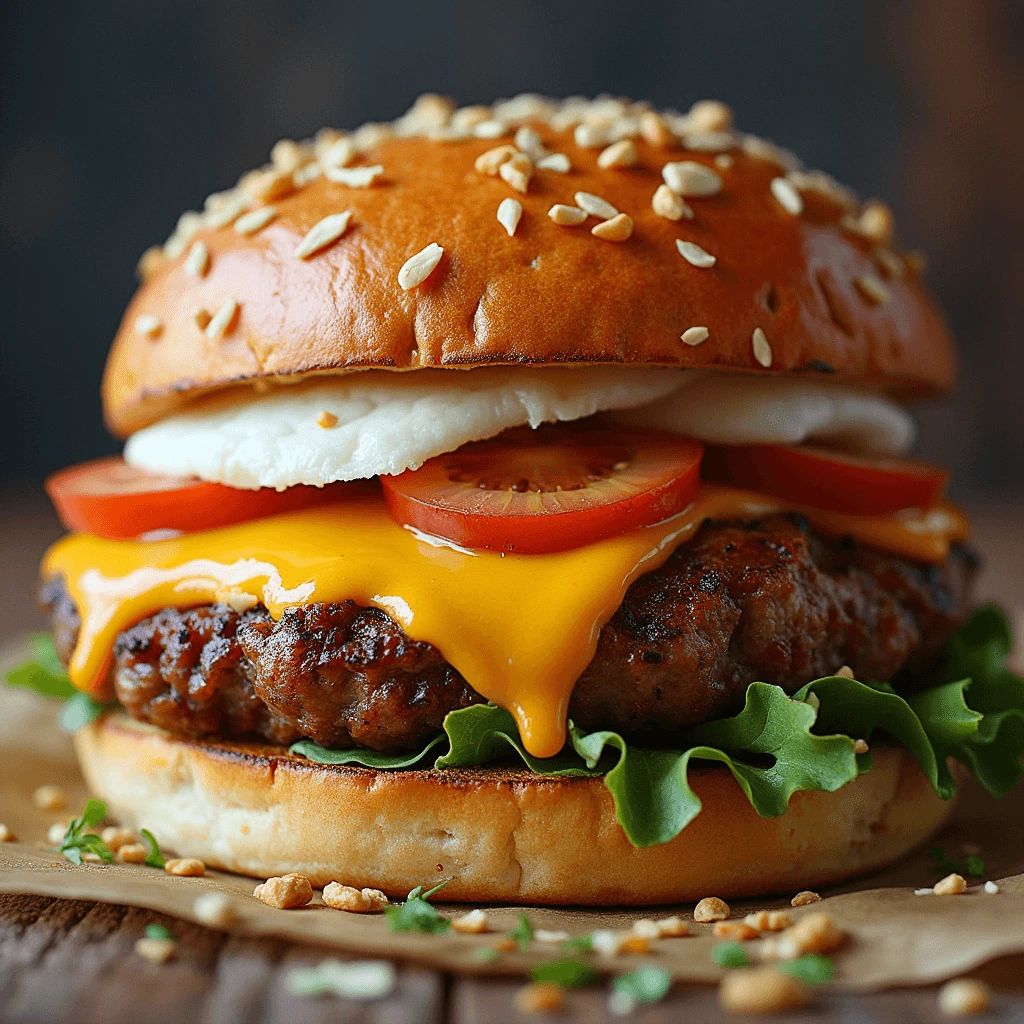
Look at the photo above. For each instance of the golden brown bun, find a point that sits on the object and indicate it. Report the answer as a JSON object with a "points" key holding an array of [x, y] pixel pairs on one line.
{"points": [[500, 836], [547, 295]]}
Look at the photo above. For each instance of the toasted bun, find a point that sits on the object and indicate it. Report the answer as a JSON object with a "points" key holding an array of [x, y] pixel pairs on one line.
{"points": [[499, 835], [823, 283]]}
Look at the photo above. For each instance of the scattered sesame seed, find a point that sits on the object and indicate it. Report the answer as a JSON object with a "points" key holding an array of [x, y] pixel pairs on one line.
{"points": [[338, 153], [709, 142], [222, 212], [653, 129], [354, 177], [530, 143], [689, 178], [266, 185], [619, 154], [876, 222], [991, 888], [952, 885], [418, 268], [149, 262], [693, 336], [6, 835], [667, 204], [889, 263], [789, 199], [804, 897], [289, 155], [148, 325], [222, 319], [509, 212], [762, 349], [616, 229], [595, 205], [723, 161], [323, 233], [492, 129], [567, 216], [326, 420], [964, 997], [250, 223], [694, 254], [202, 318], [558, 162], [517, 171], [872, 289], [588, 136], [710, 116], [470, 117], [490, 162], [306, 174], [198, 260]]}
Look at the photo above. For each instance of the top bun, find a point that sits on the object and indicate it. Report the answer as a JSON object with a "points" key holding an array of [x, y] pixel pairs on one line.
{"points": [[795, 257]]}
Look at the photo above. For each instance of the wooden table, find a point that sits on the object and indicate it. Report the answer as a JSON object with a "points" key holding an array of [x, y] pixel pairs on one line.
{"points": [[71, 960]]}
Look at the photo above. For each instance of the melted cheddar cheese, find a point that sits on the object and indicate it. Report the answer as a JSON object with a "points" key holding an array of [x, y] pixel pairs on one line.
{"points": [[520, 628]]}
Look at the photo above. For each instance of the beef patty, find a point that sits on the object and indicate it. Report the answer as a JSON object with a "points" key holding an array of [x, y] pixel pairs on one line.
{"points": [[771, 601]]}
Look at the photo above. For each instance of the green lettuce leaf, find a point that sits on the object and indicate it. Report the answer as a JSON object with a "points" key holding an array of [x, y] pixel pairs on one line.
{"points": [[776, 745]]}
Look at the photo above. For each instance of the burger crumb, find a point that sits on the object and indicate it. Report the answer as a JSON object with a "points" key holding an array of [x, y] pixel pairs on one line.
{"points": [[646, 928], [991, 888], [540, 997], [50, 798], [633, 943], [327, 420], [672, 927], [860, 747], [761, 990], [801, 899], [6, 835], [115, 837], [964, 997], [156, 951], [131, 853], [505, 945], [845, 672], [473, 923], [186, 867], [815, 933], [353, 900], [737, 931], [286, 892], [92, 858], [711, 908], [215, 910], [952, 885], [56, 833], [769, 920]]}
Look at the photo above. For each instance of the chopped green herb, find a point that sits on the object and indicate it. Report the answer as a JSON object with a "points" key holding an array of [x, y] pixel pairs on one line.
{"points": [[644, 985], [79, 710], [730, 954], [356, 979], [522, 933], [579, 944], [157, 931], [567, 973], [974, 867], [154, 858], [77, 841], [811, 969], [486, 954], [416, 914], [943, 863]]}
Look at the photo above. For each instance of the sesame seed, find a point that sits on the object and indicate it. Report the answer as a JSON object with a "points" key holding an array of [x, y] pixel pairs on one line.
{"points": [[149, 262], [491, 161], [225, 209], [889, 263], [558, 162], [326, 420], [418, 268], [876, 222], [723, 161], [306, 174], [470, 117], [354, 177], [250, 223], [517, 171], [148, 326], [689, 178], [762, 350], [694, 336], [616, 229], [509, 212], [197, 262], [567, 216], [266, 184], [289, 155], [654, 130], [619, 154], [694, 254], [588, 136], [202, 318], [222, 319], [789, 199], [667, 204], [710, 116], [492, 129], [595, 205], [530, 143], [709, 142], [338, 153], [323, 233], [873, 290]]}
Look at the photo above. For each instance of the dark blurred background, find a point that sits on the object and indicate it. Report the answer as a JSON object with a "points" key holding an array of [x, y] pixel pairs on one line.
{"points": [[118, 115]]}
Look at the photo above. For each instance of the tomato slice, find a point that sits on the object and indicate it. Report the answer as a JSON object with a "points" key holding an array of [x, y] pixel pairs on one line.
{"points": [[111, 499], [830, 480], [550, 489]]}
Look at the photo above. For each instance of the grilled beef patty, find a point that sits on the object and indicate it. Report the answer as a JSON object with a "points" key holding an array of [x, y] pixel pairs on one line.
{"points": [[770, 600]]}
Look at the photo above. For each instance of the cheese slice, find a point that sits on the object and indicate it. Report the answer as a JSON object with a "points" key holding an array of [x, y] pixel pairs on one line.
{"points": [[520, 628]]}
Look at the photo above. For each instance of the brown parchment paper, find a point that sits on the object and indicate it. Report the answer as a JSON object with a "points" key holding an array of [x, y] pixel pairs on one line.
{"points": [[897, 938]]}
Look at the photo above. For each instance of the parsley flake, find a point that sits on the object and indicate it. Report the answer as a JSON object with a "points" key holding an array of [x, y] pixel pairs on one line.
{"points": [[522, 933], [644, 985], [157, 931], [730, 954], [567, 973], [77, 841], [974, 867], [811, 969], [416, 914], [154, 858]]}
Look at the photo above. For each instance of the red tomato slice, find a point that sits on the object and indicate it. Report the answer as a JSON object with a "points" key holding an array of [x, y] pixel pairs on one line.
{"points": [[557, 487], [829, 480], [109, 498]]}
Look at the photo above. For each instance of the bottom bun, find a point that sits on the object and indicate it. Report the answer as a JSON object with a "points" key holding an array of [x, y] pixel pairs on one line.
{"points": [[499, 835]]}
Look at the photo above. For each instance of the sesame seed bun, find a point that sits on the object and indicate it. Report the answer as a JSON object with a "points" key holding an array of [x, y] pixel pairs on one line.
{"points": [[520, 838], [404, 263]]}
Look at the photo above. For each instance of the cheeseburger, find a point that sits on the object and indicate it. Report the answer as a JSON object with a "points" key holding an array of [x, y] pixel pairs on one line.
{"points": [[518, 496]]}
